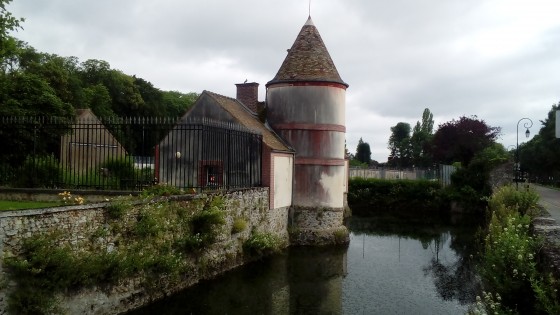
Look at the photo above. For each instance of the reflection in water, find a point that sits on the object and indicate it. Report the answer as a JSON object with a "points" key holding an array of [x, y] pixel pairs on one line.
{"points": [[315, 280], [392, 266], [409, 265]]}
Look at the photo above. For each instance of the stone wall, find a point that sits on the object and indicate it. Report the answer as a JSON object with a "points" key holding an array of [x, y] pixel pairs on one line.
{"points": [[78, 223], [318, 226], [501, 175], [546, 227]]}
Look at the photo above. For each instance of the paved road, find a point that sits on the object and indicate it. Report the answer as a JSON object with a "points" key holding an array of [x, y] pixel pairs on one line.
{"points": [[550, 199]]}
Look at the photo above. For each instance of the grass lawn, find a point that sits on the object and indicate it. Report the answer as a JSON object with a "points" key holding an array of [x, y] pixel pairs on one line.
{"points": [[18, 205]]}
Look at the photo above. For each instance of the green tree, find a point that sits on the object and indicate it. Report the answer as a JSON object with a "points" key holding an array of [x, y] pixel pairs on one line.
{"points": [[471, 142], [460, 140], [60, 73], [421, 137], [541, 155], [93, 71], [127, 101], [363, 152], [25, 94], [178, 103], [28, 95], [399, 145], [98, 99], [472, 182], [8, 23], [152, 97]]}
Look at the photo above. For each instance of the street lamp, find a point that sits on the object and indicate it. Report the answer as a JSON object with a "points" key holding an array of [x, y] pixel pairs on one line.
{"points": [[528, 124]]}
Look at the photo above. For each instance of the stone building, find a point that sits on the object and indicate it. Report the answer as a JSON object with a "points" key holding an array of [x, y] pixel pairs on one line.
{"points": [[89, 144], [302, 123]]}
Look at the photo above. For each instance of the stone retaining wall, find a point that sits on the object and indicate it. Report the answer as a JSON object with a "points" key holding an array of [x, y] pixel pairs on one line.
{"points": [[546, 227], [78, 223]]}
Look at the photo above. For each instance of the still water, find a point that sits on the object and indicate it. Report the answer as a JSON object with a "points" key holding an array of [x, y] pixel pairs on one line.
{"points": [[393, 265]]}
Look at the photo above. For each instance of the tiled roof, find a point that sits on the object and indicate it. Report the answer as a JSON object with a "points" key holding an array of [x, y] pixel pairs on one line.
{"points": [[243, 115], [308, 60], [87, 115]]}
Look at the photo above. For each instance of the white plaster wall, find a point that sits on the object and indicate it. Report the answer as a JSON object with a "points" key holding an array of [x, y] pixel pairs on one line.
{"points": [[283, 179], [332, 186]]}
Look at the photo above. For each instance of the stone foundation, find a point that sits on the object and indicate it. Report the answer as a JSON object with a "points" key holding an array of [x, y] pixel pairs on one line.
{"points": [[317, 226]]}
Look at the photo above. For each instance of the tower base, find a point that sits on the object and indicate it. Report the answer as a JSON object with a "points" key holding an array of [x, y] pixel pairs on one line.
{"points": [[317, 226]]}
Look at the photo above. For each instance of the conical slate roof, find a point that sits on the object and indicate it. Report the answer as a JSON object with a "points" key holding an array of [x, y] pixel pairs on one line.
{"points": [[308, 60]]}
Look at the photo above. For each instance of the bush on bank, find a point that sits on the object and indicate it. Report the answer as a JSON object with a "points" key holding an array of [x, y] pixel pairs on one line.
{"points": [[394, 195], [512, 278]]}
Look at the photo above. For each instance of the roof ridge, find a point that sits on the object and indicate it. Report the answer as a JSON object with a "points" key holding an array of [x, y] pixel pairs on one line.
{"points": [[218, 94], [247, 109], [308, 60]]}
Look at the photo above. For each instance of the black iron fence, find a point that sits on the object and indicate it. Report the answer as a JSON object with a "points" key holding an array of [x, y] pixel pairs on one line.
{"points": [[127, 153]]}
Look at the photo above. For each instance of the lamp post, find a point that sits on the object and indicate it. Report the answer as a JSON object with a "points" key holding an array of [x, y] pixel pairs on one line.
{"points": [[528, 124]]}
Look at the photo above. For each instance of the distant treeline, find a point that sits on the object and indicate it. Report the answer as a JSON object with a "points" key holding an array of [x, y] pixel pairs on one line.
{"points": [[40, 84], [38, 88]]}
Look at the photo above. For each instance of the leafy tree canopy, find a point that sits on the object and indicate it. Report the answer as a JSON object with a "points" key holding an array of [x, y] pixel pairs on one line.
{"points": [[90, 84], [459, 140], [541, 155], [363, 152], [8, 23], [421, 137], [399, 145]]}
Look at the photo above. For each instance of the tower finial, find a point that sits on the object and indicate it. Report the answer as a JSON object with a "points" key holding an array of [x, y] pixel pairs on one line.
{"points": [[309, 8]]}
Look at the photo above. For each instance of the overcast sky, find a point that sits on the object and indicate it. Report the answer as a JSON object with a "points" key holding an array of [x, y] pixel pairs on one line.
{"points": [[497, 59]]}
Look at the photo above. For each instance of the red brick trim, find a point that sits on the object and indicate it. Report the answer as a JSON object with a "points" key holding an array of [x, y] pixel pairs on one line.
{"points": [[315, 161], [268, 174], [317, 127], [309, 83]]}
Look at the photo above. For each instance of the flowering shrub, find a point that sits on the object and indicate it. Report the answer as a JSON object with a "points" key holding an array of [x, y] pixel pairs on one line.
{"points": [[489, 304], [508, 264], [509, 254], [67, 198], [525, 201]]}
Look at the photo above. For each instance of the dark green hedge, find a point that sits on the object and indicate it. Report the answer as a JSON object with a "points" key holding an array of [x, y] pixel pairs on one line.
{"points": [[366, 195]]}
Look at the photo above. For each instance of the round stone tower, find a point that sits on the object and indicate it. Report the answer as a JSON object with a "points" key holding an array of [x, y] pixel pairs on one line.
{"points": [[306, 106]]}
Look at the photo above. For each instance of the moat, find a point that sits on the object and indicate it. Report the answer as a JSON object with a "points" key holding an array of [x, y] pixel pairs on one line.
{"points": [[393, 265]]}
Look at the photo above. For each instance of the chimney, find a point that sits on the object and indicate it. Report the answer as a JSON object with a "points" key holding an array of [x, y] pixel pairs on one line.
{"points": [[248, 94]]}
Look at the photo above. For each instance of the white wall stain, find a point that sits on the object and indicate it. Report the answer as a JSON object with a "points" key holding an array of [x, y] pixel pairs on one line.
{"points": [[333, 187]]}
